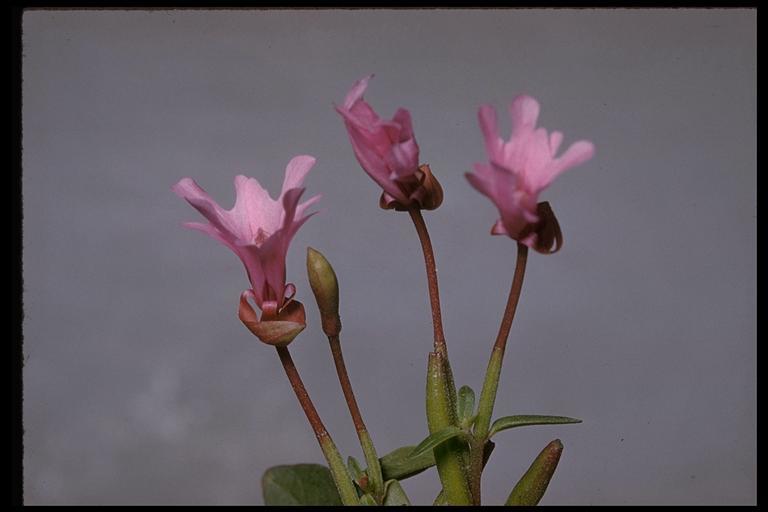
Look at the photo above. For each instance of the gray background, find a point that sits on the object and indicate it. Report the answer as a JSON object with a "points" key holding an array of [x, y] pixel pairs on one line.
{"points": [[141, 386]]}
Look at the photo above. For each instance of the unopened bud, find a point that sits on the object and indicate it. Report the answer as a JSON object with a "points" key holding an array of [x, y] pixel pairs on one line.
{"points": [[325, 286]]}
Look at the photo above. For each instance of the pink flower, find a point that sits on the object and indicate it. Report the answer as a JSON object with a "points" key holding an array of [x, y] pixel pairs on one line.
{"points": [[258, 229], [519, 169], [388, 152]]}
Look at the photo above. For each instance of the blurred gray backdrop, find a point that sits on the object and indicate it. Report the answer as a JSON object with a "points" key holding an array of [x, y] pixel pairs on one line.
{"points": [[141, 385]]}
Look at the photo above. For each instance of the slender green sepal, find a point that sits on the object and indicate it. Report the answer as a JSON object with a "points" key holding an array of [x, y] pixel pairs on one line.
{"points": [[508, 422], [354, 468], [394, 495], [531, 487], [441, 414], [375, 478]]}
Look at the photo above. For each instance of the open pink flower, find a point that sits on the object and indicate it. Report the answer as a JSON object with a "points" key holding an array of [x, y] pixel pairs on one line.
{"points": [[388, 152], [258, 229], [519, 169]]}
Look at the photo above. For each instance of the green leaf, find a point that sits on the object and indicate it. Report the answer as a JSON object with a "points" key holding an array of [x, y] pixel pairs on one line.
{"points": [[299, 484], [398, 465], [438, 438], [531, 487], [466, 405], [394, 495], [521, 421]]}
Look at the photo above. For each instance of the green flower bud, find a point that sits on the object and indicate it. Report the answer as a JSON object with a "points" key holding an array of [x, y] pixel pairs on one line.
{"points": [[325, 286]]}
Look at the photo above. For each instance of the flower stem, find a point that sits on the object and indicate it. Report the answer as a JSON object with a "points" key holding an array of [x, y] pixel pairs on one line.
{"points": [[434, 292], [339, 472], [371, 458], [491, 384], [493, 373], [434, 297]]}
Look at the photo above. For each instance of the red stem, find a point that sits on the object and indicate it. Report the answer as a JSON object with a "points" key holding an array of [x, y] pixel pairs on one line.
{"points": [[301, 393], [514, 297], [346, 385], [434, 293]]}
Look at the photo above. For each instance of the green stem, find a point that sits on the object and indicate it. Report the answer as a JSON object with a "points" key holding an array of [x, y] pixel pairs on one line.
{"points": [[341, 477]]}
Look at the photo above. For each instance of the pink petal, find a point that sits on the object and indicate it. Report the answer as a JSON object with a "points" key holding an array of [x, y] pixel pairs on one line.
{"points": [[296, 171], [188, 189], [480, 184], [555, 138], [254, 209], [403, 118], [498, 228], [486, 116], [214, 233], [577, 154], [402, 159], [357, 91], [306, 204], [524, 112]]}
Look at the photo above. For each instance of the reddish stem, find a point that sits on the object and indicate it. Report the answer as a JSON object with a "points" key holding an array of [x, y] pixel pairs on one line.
{"points": [[513, 299], [434, 292], [301, 393], [346, 385]]}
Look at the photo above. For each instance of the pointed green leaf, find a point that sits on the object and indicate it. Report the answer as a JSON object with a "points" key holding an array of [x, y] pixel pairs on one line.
{"points": [[466, 405], [367, 499], [394, 495], [521, 421], [299, 484], [398, 465], [531, 487], [438, 438]]}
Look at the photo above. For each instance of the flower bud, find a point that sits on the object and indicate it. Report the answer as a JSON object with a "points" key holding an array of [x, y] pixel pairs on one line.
{"points": [[325, 286]]}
